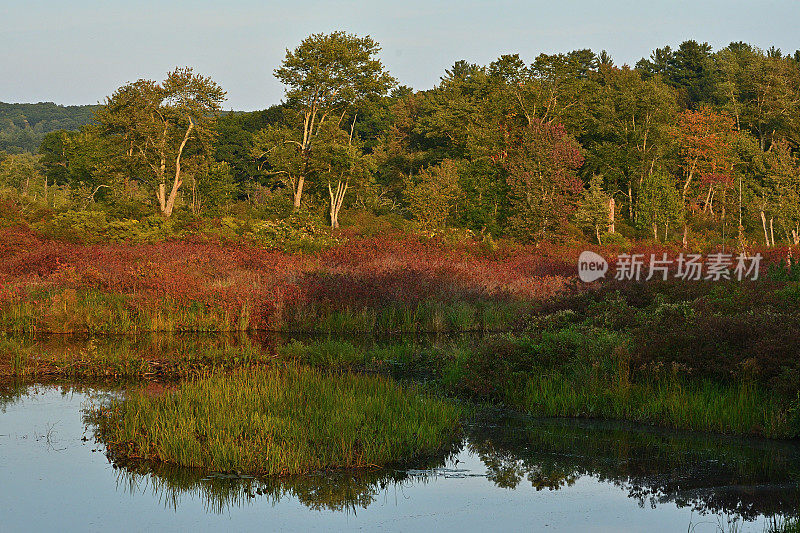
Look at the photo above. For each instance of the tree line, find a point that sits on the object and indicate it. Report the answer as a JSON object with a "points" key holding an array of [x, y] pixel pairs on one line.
{"points": [[23, 126], [688, 141]]}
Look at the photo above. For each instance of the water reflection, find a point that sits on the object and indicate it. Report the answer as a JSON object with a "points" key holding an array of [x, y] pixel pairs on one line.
{"points": [[707, 473], [342, 491]]}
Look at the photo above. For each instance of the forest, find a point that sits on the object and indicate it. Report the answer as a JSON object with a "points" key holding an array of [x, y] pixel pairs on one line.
{"points": [[691, 146], [23, 126]]}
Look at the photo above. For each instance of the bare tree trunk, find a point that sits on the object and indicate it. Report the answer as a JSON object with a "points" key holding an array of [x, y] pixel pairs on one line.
{"points": [[688, 182], [772, 231], [195, 196], [176, 184], [707, 203], [337, 198], [162, 175], [309, 121], [655, 231], [764, 224], [630, 202], [611, 207], [298, 192], [161, 195], [685, 234]]}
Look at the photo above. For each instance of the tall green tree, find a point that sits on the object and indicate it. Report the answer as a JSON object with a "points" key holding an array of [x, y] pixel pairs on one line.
{"points": [[659, 205], [434, 194], [690, 69], [325, 76], [783, 189], [630, 129], [594, 209], [158, 123]]}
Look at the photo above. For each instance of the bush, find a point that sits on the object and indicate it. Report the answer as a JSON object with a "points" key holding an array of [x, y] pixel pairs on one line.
{"points": [[301, 232]]}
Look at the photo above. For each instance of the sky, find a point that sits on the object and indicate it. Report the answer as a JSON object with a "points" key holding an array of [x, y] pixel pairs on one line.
{"points": [[80, 51]]}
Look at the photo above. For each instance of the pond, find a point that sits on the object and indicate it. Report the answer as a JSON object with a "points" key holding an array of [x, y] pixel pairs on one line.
{"points": [[509, 473]]}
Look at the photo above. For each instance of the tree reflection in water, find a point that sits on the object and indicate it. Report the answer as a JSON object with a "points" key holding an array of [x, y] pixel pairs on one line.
{"points": [[709, 473]]}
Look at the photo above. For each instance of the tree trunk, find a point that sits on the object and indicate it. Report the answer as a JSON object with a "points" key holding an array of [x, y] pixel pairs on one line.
{"points": [[337, 198], [162, 173], [630, 202], [298, 192], [764, 224], [161, 195], [611, 206], [685, 234], [772, 231], [176, 184]]}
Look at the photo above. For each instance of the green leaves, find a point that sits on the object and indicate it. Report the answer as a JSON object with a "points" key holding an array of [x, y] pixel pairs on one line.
{"points": [[332, 70]]}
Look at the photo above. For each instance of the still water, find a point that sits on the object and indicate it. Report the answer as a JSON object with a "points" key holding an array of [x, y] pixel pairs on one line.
{"points": [[509, 473]]}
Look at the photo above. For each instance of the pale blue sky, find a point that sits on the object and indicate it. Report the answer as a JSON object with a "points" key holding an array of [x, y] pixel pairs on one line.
{"points": [[78, 52]]}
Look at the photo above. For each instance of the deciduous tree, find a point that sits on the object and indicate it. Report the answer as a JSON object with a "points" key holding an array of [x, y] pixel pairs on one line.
{"points": [[325, 76], [158, 123]]}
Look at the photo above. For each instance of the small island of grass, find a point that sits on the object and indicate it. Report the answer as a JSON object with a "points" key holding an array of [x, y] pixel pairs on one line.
{"points": [[279, 421]]}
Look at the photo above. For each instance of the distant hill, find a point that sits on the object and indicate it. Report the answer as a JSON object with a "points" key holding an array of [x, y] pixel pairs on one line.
{"points": [[22, 126]]}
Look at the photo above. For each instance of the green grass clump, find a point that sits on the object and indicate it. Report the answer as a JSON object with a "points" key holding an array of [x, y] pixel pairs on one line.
{"points": [[279, 421], [675, 402]]}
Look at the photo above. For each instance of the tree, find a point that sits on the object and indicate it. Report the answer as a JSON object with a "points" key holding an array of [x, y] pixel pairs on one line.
{"points": [[706, 152], [83, 159], [22, 172], [215, 187], [760, 90], [689, 69], [594, 208], [433, 196], [158, 123], [542, 180], [342, 163], [324, 77], [783, 190], [659, 204], [631, 129]]}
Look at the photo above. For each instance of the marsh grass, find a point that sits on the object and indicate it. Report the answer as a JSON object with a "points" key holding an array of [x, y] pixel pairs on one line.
{"points": [[96, 311], [124, 359], [428, 316], [573, 373], [739, 408], [279, 420]]}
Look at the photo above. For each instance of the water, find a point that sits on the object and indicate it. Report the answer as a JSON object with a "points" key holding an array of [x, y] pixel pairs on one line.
{"points": [[510, 473]]}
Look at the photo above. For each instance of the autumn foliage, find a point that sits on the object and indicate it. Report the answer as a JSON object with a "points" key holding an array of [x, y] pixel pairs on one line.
{"points": [[251, 287]]}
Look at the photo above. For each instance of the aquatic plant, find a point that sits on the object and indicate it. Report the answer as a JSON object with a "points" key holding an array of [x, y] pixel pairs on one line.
{"points": [[279, 420]]}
